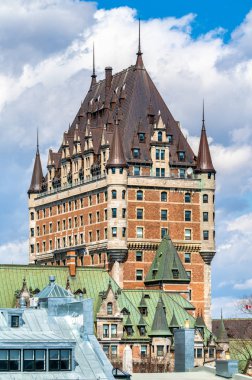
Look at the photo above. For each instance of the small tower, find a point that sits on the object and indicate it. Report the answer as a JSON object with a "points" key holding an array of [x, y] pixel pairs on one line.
{"points": [[117, 178], [206, 173], [222, 338], [34, 189], [93, 76]]}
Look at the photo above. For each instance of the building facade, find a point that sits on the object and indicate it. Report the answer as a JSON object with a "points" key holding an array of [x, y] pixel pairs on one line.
{"points": [[123, 178]]}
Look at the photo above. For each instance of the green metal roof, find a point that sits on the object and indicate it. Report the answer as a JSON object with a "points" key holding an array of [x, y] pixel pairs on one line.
{"points": [[165, 263], [160, 325], [221, 336], [174, 323], [200, 322]]}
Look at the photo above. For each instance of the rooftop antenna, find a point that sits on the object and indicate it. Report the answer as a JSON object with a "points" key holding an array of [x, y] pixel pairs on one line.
{"points": [[203, 115], [139, 37], [93, 75], [37, 142]]}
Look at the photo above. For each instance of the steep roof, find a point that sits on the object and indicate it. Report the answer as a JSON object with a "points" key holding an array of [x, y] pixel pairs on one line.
{"points": [[37, 175], [204, 160], [160, 325], [116, 155], [174, 323], [53, 290], [221, 333], [200, 321], [165, 262]]}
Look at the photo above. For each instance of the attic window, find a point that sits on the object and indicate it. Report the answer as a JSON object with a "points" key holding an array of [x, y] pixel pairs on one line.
{"points": [[109, 308], [175, 273], [160, 136], [136, 153], [14, 321], [154, 273], [141, 137], [170, 139], [181, 156], [146, 296]]}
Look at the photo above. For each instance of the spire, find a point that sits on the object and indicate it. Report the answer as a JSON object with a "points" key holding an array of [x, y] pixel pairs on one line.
{"points": [[93, 76], [37, 174], [116, 155], [160, 325], [204, 161], [139, 61], [221, 336], [174, 322], [200, 321]]}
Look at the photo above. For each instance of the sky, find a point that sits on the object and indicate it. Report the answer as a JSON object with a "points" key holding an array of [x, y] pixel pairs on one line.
{"points": [[192, 50]]}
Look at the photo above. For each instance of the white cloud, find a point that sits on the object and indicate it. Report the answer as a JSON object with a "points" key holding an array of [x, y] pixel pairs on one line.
{"points": [[229, 307], [242, 224], [14, 253], [245, 285]]}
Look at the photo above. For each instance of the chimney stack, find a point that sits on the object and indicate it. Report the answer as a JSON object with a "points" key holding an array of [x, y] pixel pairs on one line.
{"points": [[71, 263], [108, 77]]}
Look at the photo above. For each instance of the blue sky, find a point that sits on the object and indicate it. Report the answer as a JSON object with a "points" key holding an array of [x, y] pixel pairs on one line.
{"points": [[192, 49]]}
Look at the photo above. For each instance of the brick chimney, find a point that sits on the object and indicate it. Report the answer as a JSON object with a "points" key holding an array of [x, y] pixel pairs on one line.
{"points": [[71, 263]]}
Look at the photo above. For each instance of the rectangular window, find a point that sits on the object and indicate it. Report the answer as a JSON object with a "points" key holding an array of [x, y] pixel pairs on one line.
{"points": [[81, 239], [90, 236], [81, 220], [164, 231], [113, 351], [211, 352], [15, 321], [136, 170], [37, 247], [199, 352], [139, 275], [106, 349], [50, 211], [157, 154], [90, 218], [139, 213], [113, 194], [32, 248], [205, 235], [105, 214], [90, 200], [188, 272], [34, 360], [64, 241], [188, 235], [139, 195], [162, 172], [105, 331], [32, 232], [163, 214], [123, 231], [160, 350], [58, 225], [141, 137], [97, 235], [205, 216], [157, 172], [10, 360], [181, 156], [181, 173], [124, 213], [140, 232], [64, 224], [105, 233], [162, 154], [187, 257], [50, 245], [188, 215], [75, 222], [143, 351], [136, 153], [60, 360], [98, 216], [113, 331], [98, 198], [170, 139], [44, 229], [50, 227], [164, 196], [69, 223], [139, 256], [114, 212], [114, 231]]}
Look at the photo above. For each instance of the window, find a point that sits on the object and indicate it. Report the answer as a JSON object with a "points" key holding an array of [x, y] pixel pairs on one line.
{"points": [[34, 360], [81, 202], [123, 212], [69, 241], [121, 170], [10, 360], [164, 196], [136, 170], [175, 273], [160, 350], [181, 173], [188, 234], [64, 241], [143, 351], [60, 360], [188, 215], [75, 221], [157, 172], [114, 212], [136, 153], [113, 194], [164, 231], [181, 156], [205, 198], [81, 239], [69, 206], [32, 248], [64, 207], [113, 170], [81, 220], [32, 215], [205, 235], [163, 214], [109, 308], [187, 257], [157, 154], [162, 172], [90, 218], [142, 330], [64, 224], [38, 214], [139, 275], [140, 232], [114, 231], [105, 233], [106, 349], [205, 216], [37, 247], [114, 351], [188, 272], [58, 208], [160, 136], [32, 232], [123, 231], [198, 353], [187, 198], [50, 211], [90, 236], [44, 246], [141, 137], [162, 154], [105, 214], [50, 227], [105, 196], [123, 194], [90, 200], [58, 225], [170, 139], [98, 198], [44, 212], [209, 175], [211, 352], [139, 195], [44, 229], [14, 321], [105, 331], [139, 213], [97, 216], [113, 331], [50, 245], [139, 256]]}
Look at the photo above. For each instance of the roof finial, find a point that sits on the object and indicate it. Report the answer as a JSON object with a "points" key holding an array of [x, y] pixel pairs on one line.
{"points": [[37, 142], [203, 115], [139, 37], [93, 76]]}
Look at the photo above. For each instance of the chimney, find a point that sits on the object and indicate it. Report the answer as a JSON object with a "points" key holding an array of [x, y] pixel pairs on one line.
{"points": [[108, 77], [71, 263]]}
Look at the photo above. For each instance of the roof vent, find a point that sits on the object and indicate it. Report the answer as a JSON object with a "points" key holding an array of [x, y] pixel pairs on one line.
{"points": [[52, 279]]}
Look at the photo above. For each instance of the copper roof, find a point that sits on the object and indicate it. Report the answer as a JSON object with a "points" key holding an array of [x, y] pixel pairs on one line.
{"points": [[204, 161], [116, 155]]}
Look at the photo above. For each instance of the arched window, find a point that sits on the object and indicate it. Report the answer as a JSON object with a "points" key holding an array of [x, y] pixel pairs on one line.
{"points": [[139, 195], [32, 215], [113, 194], [187, 197], [159, 136], [163, 196], [109, 308], [205, 198], [123, 194]]}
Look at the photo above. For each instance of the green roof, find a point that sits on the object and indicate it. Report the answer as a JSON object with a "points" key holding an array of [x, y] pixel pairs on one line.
{"points": [[165, 263], [200, 322], [174, 323], [160, 325], [221, 335]]}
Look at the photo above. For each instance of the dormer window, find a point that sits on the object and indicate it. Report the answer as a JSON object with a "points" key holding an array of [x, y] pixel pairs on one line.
{"points": [[109, 308], [141, 137], [143, 311], [175, 273], [136, 153], [181, 156], [129, 330], [170, 139], [142, 330], [160, 136], [15, 321]]}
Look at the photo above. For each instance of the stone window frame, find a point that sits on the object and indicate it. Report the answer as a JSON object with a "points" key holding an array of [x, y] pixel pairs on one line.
{"points": [[205, 234], [138, 230], [186, 219], [205, 198], [187, 259], [205, 216], [138, 192], [141, 211], [160, 351], [114, 232], [165, 217], [113, 212], [189, 236], [139, 276], [165, 197]]}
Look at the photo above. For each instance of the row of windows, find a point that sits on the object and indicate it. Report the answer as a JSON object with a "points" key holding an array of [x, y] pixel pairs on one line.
{"points": [[35, 360]]}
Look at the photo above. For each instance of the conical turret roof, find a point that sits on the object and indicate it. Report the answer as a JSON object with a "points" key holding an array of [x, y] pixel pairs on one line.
{"points": [[165, 262], [160, 325], [200, 321], [116, 155], [204, 160], [37, 175], [174, 322], [222, 336], [128, 321]]}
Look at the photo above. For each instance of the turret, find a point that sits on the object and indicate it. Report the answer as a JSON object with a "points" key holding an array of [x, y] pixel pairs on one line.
{"points": [[37, 174]]}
